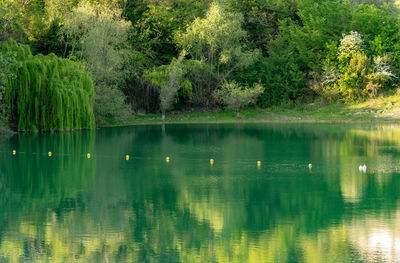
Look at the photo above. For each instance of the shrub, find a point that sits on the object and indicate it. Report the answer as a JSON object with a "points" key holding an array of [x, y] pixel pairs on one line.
{"points": [[236, 97]]}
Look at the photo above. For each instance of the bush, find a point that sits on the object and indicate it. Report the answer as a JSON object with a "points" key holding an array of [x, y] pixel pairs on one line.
{"points": [[236, 97], [110, 105], [352, 75]]}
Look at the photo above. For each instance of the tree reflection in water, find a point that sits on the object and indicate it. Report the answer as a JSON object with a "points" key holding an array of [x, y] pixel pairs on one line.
{"points": [[106, 209]]}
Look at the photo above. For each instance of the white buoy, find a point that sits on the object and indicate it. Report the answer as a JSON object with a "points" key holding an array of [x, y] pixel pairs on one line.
{"points": [[362, 168]]}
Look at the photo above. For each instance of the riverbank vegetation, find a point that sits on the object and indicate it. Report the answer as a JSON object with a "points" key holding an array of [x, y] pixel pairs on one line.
{"points": [[146, 57]]}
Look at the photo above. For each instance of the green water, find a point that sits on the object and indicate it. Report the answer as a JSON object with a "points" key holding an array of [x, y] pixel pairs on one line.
{"points": [[67, 208]]}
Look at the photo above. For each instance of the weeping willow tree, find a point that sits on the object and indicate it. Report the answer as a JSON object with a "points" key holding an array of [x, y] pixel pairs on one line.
{"points": [[49, 93]]}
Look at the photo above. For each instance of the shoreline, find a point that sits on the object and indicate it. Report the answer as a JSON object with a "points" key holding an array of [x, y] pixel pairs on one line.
{"points": [[312, 113]]}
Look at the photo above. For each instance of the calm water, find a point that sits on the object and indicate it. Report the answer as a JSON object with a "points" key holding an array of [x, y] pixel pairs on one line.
{"points": [[67, 208]]}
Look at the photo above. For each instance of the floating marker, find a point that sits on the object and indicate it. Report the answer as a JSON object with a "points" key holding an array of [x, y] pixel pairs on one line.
{"points": [[211, 161], [310, 165], [88, 155], [258, 163], [14, 152], [49, 154], [167, 159], [127, 157], [362, 168]]}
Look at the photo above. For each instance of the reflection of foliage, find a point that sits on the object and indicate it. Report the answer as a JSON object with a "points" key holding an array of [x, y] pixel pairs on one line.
{"points": [[41, 176], [146, 210]]}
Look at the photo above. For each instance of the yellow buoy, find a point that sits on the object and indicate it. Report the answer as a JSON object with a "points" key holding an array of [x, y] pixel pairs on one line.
{"points": [[49, 154], [258, 163], [310, 165], [14, 152], [127, 157], [167, 159], [211, 161], [88, 155]]}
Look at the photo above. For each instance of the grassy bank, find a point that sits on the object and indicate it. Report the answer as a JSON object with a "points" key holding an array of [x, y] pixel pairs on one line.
{"points": [[377, 110]]}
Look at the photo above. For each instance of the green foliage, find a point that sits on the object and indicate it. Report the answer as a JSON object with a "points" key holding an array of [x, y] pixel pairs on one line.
{"points": [[236, 97], [170, 79], [262, 18], [98, 35], [349, 45], [49, 93], [215, 46], [49, 41], [155, 24], [110, 105], [283, 79], [7, 63], [319, 22], [353, 76], [295, 49]]}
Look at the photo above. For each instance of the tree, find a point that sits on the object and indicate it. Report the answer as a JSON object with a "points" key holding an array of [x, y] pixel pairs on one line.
{"points": [[170, 79], [7, 64], [281, 74], [48, 93], [215, 47], [236, 97], [99, 35], [10, 11], [156, 22]]}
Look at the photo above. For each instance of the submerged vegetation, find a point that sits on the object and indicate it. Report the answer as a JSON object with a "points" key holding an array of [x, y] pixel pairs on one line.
{"points": [[177, 55]]}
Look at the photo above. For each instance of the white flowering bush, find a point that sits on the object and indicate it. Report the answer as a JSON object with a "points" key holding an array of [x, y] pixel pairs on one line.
{"points": [[350, 44], [381, 75], [353, 76], [382, 67]]}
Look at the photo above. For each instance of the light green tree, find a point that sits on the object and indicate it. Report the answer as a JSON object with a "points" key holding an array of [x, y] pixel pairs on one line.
{"points": [[216, 48], [99, 35], [170, 79]]}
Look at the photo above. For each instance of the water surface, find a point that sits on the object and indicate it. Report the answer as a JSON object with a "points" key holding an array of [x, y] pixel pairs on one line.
{"points": [[68, 208]]}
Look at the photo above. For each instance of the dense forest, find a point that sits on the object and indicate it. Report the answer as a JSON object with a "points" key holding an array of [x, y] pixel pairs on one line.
{"points": [[67, 64]]}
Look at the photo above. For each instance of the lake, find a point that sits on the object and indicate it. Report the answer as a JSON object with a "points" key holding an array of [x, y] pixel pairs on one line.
{"points": [[71, 208]]}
